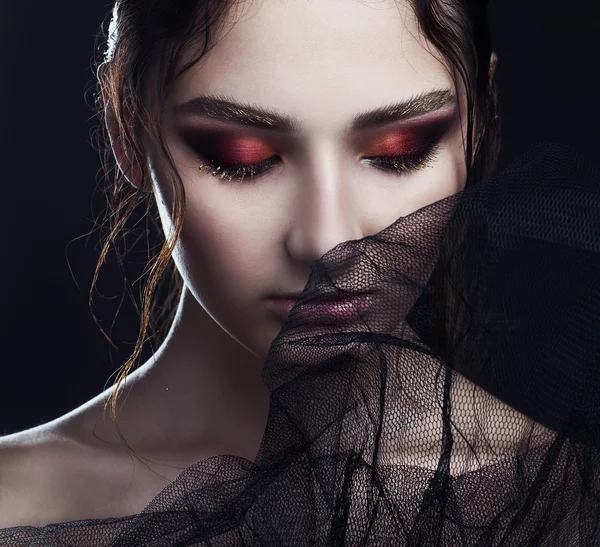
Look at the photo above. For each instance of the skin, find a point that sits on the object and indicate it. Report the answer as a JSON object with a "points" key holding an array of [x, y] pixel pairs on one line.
{"points": [[241, 243], [202, 393]]}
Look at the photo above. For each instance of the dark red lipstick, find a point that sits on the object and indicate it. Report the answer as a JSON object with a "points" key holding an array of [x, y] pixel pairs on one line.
{"points": [[322, 307]]}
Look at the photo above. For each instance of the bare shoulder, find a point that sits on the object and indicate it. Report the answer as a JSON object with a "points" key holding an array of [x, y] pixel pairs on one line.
{"points": [[48, 477], [27, 475], [76, 468], [49, 474]]}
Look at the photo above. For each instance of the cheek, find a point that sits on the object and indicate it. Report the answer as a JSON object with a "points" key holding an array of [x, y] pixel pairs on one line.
{"points": [[219, 258], [444, 177], [447, 176]]}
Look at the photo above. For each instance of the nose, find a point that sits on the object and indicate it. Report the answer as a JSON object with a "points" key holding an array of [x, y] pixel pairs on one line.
{"points": [[324, 214]]}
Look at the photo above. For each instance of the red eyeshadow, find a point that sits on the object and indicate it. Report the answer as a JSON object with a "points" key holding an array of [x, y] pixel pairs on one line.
{"points": [[240, 150], [397, 143], [227, 146], [407, 139]]}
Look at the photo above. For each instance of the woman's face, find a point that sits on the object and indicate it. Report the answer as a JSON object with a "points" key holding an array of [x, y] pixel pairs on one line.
{"points": [[325, 171]]}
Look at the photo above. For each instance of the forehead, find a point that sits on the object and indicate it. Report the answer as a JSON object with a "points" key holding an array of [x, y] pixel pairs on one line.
{"points": [[320, 61]]}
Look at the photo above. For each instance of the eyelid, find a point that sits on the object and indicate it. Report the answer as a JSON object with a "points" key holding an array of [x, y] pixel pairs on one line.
{"points": [[395, 143], [423, 130], [207, 136], [407, 162], [423, 143], [210, 129], [396, 165], [249, 149]]}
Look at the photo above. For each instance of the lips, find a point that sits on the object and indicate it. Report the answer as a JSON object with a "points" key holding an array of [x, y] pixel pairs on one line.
{"points": [[327, 307]]}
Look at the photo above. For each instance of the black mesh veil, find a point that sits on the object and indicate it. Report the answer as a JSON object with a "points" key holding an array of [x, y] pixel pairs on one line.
{"points": [[460, 407]]}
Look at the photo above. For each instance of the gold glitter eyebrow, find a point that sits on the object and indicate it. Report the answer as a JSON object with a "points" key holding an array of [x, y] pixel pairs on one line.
{"points": [[225, 108]]}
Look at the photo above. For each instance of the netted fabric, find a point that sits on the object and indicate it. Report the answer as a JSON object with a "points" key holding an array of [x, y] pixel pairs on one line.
{"points": [[460, 408]]}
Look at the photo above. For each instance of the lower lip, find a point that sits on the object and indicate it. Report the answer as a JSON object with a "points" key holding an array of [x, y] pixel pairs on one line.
{"points": [[350, 308]]}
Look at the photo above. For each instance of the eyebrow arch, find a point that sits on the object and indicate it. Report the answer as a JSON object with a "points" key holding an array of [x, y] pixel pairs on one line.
{"points": [[224, 108]]}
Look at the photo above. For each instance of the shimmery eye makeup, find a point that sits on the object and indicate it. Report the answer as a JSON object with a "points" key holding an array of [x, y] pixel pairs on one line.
{"points": [[399, 150], [236, 171], [229, 155], [407, 162], [407, 149], [399, 164]]}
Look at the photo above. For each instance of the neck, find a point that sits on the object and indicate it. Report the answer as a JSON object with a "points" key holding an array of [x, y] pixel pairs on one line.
{"points": [[201, 391]]}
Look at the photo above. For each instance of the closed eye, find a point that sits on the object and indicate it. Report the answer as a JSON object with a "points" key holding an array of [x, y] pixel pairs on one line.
{"points": [[398, 165], [406, 162]]}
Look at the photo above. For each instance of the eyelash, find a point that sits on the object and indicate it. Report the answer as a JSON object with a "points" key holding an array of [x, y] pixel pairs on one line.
{"points": [[399, 164]]}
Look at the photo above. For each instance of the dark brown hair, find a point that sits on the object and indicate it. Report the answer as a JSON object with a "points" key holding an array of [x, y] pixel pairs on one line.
{"points": [[145, 45]]}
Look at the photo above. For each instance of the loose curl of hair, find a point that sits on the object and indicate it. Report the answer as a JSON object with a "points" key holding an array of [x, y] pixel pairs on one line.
{"points": [[145, 44]]}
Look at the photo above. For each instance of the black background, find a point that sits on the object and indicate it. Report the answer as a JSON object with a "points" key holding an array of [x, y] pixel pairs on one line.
{"points": [[52, 355]]}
